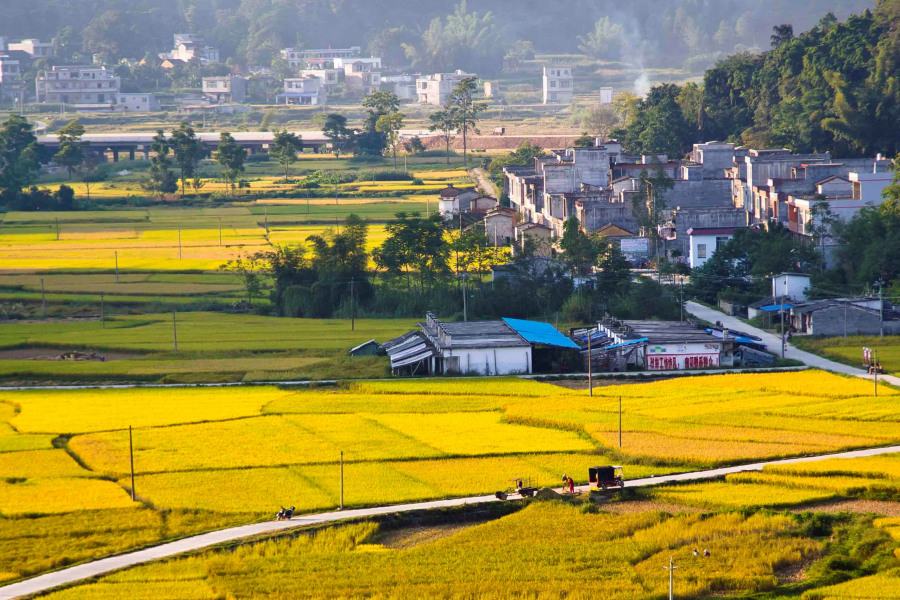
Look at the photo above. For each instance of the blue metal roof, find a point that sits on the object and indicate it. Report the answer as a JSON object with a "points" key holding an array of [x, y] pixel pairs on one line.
{"points": [[776, 307], [536, 332], [628, 343], [738, 338]]}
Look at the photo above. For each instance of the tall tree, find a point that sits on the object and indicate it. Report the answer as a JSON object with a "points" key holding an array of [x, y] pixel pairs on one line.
{"points": [[189, 151], [162, 180], [71, 148], [231, 157], [389, 125], [337, 132], [20, 160], [284, 149], [414, 245], [467, 111], [444, 122]]}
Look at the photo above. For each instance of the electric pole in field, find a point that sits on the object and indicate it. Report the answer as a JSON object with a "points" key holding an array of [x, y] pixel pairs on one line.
{"points": [[117, 266], [682, 298], [881, 306], [342, 480], [620, 422], [131, 454], [590, 366], [352, 320], [671, 568], [875, 370], [465, 307], [175, 330]]}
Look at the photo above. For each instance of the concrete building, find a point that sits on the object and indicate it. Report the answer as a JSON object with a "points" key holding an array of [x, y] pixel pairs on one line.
{"points": [[705, 241], [34, 48], [299, 58], [500, 226], [228, 89], [361, 75], [12, 88], [83, 86], [452, 200], [436, 89], [659, 346], [791, 286], [559, 86], [136, 103], [844, 316], [607, 95], [403, 86], [331, 78], [304, 91], [188, 47]]}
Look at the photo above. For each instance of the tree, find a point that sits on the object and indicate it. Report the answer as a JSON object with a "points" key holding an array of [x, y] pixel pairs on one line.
{"points": [[580, 251], [379, 103], [660, 126], [599, 120], [189, 151], [88, 168], [444, 121], [231, 157], [414, 244], [781, 35], [335, 129], [162, 180], [584, 141], [390, 126], [414, 145], [606, 36], [284, 149], [466, 111], [249, 269], [71, 148], [649, 205], [627, 106]]}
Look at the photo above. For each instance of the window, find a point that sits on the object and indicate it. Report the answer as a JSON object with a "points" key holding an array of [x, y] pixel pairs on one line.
{"points": [[701, 250], [721, 241], [564, 84], [553, 84]]}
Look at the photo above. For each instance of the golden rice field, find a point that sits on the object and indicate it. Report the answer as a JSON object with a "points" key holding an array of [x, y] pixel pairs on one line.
{"points": [[850, 350], [547, 550]]}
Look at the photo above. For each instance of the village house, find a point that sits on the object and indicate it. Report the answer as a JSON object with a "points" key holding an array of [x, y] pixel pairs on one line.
{"points": [[299, 58], [704, 241], [361, 75], [558, 83], [331, 78], [12, 88], [436, 89], [84, 86], [188, 47], [303, 91], [229, 89], [33, 48], [453, 200]]}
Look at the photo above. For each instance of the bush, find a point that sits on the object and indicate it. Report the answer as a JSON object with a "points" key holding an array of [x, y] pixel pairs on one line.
{"points": [[383, 175]]}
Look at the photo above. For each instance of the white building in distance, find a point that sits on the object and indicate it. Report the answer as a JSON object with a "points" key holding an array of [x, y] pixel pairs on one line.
{"points": [[558, 85]]}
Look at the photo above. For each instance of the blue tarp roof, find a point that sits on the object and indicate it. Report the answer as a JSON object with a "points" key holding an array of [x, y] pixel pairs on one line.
{"points": [[776, 307], [628, 343], [536, 332], [738, 338]]}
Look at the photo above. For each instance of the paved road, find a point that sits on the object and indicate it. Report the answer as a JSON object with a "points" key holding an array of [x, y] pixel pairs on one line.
{"points": [[70, 575], [773, 341], [483, 181]]}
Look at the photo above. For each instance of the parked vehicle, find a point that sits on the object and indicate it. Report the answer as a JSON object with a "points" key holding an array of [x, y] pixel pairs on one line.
{"points": [[606, 477], [521, 486]]}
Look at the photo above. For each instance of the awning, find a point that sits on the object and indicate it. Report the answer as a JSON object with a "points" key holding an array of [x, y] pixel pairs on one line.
{"points": [[419, 356], [628, 343], [535, 332], [776, 307]]}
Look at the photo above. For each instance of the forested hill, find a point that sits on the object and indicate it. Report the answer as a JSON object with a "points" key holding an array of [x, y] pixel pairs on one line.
{"points": [[649, 32], [835, 88]]}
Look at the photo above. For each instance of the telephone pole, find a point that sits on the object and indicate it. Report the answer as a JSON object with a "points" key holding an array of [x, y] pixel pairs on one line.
{"points": [[465, 307], [620, 422], [352, 320], [117, 266], [175, 330], [881, 306], [342, 480], [671, 569], [131, 454], [590, 366]]}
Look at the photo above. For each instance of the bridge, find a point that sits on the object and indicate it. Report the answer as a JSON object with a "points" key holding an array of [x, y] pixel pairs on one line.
{"points": [[139, 143]]}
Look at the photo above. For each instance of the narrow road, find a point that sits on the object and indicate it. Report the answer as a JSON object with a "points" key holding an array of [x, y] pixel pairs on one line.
{"points": [[103, 566], [483, 181], [773, 342]]}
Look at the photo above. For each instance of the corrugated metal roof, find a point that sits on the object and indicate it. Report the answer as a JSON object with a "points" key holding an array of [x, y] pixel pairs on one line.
{"points": [[628, 343], [536, 332]]}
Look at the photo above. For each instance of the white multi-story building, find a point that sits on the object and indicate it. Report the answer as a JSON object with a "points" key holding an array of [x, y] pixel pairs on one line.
{"points": [[298, 57], [331, 78], [32, 47], [12, 89], [136, 103], [558, 85], [188, 46], [361, 75], [436, 89], [78, 84], [304, 91]]}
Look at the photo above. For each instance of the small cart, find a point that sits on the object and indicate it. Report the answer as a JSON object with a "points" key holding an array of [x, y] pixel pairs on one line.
{"points": [[520, 485], [606, 477]]}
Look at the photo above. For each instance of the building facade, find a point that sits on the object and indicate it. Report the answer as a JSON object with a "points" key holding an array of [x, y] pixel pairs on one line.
{"points": [[78, 85], [12, 88], [436, 89], [188, 46], [361, 75], [136, 103], [225, 90], [299, 58], [304, 91], [331, 78], [559, 85], [32, 47], [705, 241]]}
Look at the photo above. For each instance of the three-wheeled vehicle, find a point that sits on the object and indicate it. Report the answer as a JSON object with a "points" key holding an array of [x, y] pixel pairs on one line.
{"points": [[606, 477], [521, 486]]}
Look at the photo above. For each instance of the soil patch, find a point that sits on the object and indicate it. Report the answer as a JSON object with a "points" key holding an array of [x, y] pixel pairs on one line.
{"points": [[409, 537], [878, 507], [55, 353]]}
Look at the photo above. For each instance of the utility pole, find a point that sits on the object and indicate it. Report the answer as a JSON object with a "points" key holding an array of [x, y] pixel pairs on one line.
{"points": [[682, 299], [307, 202], [220, 231], [175, 330], [179, 244], [342, 480], [590, 367], [102, 314], [352, 320], [620, 422], [131, 454], [875, 370], [845, 319], [43, 298], [671, 568], [782, 325], [57, 230], [266, 208], [881, 305], [117, 266], [465, 308]]}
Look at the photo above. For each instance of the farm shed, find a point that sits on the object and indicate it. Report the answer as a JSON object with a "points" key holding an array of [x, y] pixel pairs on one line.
{"points": [[369, 348], [501, 347], [666, 345]]}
